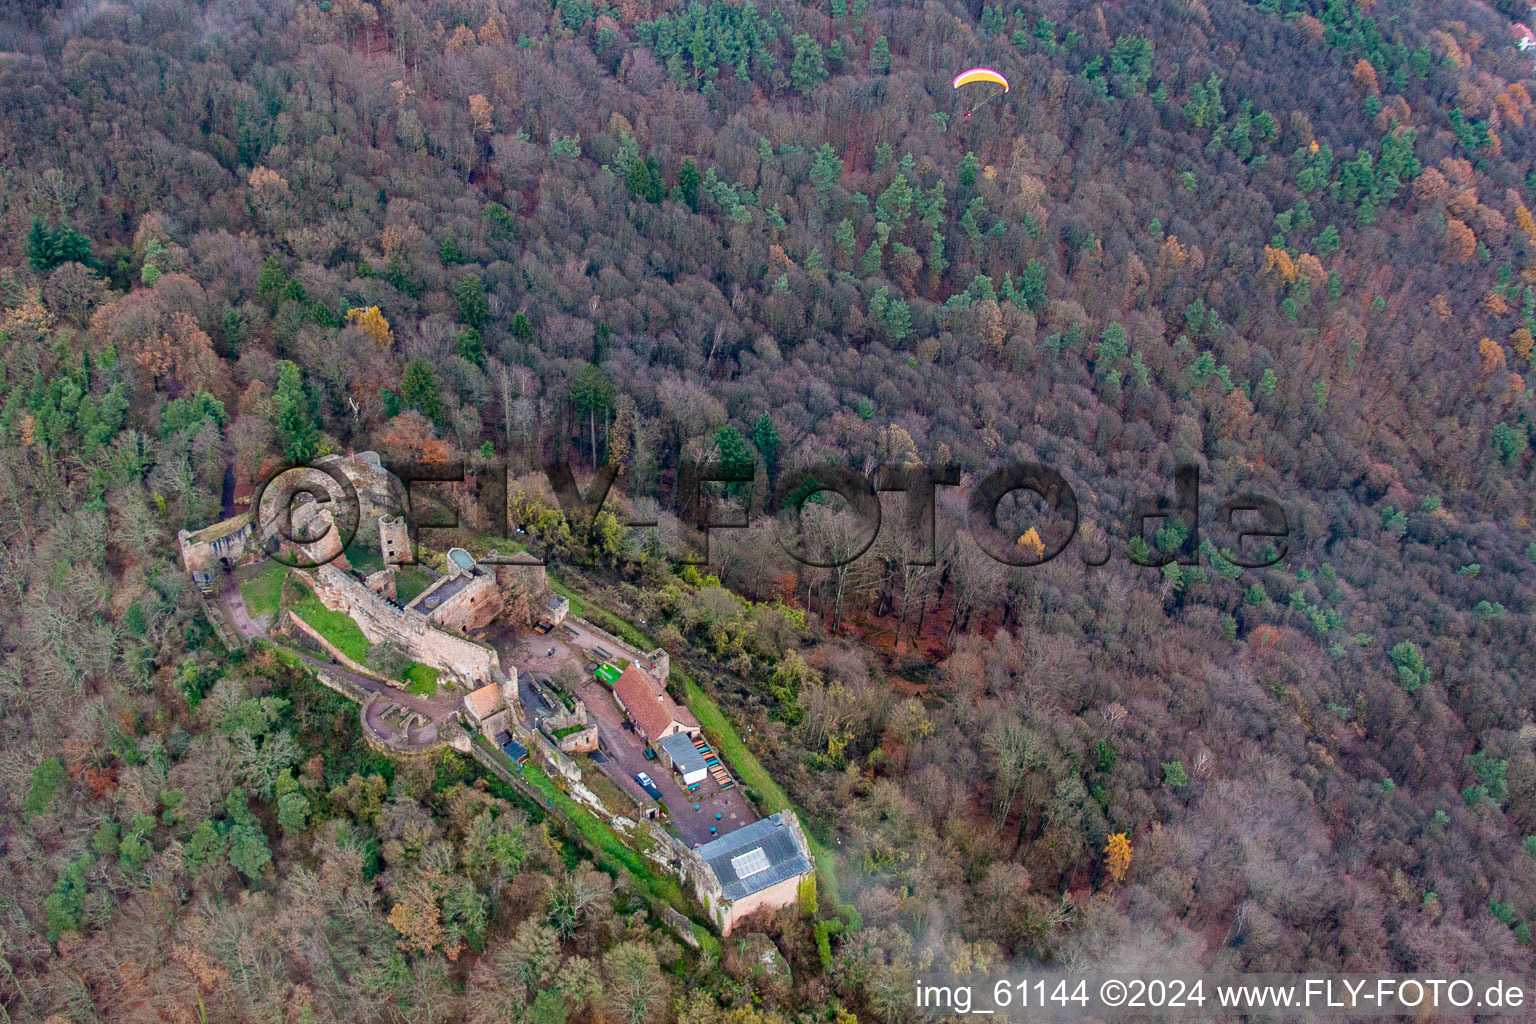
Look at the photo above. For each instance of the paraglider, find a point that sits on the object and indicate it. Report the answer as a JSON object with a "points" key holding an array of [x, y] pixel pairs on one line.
{"points": [[977, 76]]}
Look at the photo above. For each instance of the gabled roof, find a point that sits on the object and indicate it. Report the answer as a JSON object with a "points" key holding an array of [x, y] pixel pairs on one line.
{"points": [[755, 857], [648, 704], [685, 756], [486, 701]]}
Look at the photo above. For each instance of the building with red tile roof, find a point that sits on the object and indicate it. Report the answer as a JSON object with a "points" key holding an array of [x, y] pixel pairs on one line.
{"points": [[655, 714]]}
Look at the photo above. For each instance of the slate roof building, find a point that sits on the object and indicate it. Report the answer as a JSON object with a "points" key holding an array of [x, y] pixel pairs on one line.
{"points": [[684, 757], [757, 867]]}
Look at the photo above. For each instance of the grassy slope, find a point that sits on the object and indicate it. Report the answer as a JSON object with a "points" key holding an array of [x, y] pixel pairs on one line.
{"points": [[592, 829], [713, 719], [262, 590], [421, 679], [337, 627]]}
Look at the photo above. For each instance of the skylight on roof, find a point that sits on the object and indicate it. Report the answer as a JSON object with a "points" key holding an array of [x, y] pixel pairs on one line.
{"points": [[750, 863]]}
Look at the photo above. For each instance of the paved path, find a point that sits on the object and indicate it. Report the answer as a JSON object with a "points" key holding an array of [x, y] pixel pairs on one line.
{"points": [[627, 751], [233, 604], [438, 709]]}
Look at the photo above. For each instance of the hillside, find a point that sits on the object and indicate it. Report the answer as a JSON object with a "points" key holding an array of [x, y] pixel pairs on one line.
{"points": [[1288, 242]]}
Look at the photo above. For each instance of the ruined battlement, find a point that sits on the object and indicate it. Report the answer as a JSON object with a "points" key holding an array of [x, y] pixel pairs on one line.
{"points": [[383, 621]]}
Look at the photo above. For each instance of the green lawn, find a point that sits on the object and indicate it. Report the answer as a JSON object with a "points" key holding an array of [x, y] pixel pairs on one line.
{"points": [[422, 679], [411, 580], [337, 627], [262, 589], [365, 557]]}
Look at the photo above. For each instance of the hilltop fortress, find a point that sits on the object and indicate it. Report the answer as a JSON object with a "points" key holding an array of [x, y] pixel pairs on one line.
{"points": [[433, 626]]}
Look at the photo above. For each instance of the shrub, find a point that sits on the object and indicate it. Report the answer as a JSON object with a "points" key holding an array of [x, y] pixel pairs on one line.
{"points": [[47, 777]]}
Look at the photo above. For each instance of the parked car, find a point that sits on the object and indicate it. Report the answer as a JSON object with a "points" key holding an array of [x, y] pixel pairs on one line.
{"points": [[647, 785]]}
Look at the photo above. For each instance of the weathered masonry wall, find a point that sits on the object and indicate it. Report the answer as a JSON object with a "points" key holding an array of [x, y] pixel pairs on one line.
{"points": [[476, 604], [292, 621], [657, 662], [382, 622], [211, 550]]}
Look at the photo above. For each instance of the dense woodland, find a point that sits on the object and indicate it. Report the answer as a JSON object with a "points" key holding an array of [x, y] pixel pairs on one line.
{"points": [[1290, 242]]}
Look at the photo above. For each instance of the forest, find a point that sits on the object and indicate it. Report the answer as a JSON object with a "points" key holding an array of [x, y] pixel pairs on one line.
{"points": [[1290, 243]]}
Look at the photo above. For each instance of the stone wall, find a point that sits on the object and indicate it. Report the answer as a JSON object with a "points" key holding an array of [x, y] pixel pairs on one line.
{"points": [[560, 718], [346, 687], [381, 583], [562, 764], [583, 742], [493, 723], [657, 658], [212, 550], [477, 605], [396, 748], [780, 894], [376, 493], [394, 540], [382, 622]]}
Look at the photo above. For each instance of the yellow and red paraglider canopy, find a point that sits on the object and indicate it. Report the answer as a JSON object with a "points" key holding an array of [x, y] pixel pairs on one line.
{"points": [[980, 75]]}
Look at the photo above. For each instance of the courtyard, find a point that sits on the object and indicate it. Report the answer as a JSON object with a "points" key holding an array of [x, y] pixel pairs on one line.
{"points": [[562, 658]]}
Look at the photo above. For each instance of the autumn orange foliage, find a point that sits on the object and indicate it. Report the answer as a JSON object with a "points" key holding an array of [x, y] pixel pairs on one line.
{"points": [[1365, 75], [410, 435], [1032, 543], [1495, 304], [1521, 340], [373, 323], [1461, 243], [1525, 222], [1117, 856], [1281, 263], [1492, 353], [1172, 251]]}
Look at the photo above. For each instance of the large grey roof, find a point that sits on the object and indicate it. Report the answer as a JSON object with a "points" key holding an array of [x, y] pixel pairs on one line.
{"points": [[777, 842], [685, 756]]}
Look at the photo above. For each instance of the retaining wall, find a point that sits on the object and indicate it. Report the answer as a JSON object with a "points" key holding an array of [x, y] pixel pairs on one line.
{"points": [[290, 620], [382, 622], [658, 656], [395, 748]]}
